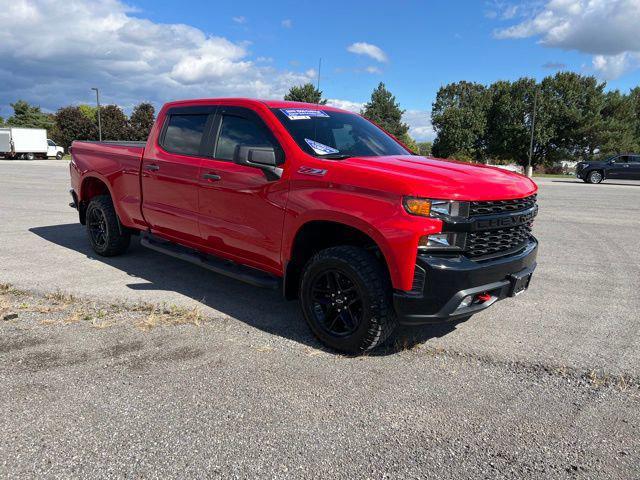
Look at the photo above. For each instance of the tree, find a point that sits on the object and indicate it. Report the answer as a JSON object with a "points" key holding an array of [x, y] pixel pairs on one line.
{"points": [[89, 111], [459, 117], [385, 112], [72, 124], [574, 105], [28, 116], [141, 121], [617, 131], [1, 122], [115, 125], [305, 93], [424, 148], [409, 142]]}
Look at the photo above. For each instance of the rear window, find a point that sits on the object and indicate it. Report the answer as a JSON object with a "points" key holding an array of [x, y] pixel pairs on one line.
{"points": [[184, 134], [236, 131]]}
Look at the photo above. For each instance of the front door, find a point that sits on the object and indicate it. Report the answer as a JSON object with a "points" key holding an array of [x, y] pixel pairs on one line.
{"points": [[170, 174], [241, 208]]}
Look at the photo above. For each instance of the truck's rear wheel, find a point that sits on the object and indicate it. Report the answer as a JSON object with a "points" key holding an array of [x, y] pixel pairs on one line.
{"points": [[103, 228], [30, 156], [346, 299]]}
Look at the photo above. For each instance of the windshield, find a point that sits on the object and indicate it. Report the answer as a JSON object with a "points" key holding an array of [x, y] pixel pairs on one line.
{"points": [[337, 134]]}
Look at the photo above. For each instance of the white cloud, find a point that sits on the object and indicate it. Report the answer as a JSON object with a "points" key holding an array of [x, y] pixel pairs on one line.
{"points": [[373, 69], [607, 29], [345, 104], [131, 59], [287, 23], [373, 51], [239, 19], [420, 127]]}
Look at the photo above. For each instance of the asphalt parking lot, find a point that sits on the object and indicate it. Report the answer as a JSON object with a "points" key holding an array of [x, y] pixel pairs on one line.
{"points": [[541, 386]]}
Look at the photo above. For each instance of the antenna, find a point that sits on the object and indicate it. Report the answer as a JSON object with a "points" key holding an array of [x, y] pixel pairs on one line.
{"points": [[318, 81]]}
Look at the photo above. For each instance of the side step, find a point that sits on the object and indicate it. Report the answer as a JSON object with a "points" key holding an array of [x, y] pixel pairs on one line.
{"points": [[231, 269]]}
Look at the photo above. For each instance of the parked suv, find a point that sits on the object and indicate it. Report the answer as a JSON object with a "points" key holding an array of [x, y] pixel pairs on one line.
{"points": [[618, 167], [317, 202]]}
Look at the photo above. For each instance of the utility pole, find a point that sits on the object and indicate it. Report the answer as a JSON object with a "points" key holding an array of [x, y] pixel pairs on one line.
{"points": [[98, 103], [533, 126]]}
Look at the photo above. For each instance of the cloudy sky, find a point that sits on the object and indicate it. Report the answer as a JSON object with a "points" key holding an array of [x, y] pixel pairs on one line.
{"points": [[52, 52]]}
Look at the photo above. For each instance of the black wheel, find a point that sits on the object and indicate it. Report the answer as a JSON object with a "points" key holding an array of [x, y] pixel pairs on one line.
{"points": [[59, 155], [30, 156], [595, 177], [346, 299], [102, 227]]}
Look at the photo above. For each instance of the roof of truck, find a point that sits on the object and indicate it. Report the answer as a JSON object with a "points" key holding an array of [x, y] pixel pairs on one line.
{"points": [[268, 103]]}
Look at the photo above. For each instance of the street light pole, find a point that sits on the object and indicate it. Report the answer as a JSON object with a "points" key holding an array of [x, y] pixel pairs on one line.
{"points": [[98, 103], [533, 126]]}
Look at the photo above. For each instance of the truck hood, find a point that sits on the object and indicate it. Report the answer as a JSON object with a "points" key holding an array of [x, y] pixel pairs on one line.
{"points": [[446, 179]]}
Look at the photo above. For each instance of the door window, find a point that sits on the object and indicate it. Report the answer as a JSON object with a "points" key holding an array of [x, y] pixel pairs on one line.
{"points": [[50, 143], [622, 159], [236, 131], [183, 134]]}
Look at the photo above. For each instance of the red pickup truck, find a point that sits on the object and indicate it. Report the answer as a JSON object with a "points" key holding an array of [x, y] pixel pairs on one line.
{"points": [[316, 201]]}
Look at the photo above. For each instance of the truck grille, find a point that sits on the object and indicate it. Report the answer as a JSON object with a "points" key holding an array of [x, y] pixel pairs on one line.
{"points": [[501, 206], [490, 242]]}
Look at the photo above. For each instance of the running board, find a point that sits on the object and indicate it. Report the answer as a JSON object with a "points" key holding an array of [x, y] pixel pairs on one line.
{"points": [[231, 269]]}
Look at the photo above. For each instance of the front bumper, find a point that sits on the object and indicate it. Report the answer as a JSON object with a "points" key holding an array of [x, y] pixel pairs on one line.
{"points": [[448, 280]]}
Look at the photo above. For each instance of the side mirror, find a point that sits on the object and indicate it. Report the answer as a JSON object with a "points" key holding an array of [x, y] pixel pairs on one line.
{"points": [[264, 158]]}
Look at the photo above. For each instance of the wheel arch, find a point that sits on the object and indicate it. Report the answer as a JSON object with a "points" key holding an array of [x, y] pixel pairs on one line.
{"points": [[317, 234]]}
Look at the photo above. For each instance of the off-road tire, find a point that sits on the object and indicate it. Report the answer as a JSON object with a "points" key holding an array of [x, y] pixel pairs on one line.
{"points": [[113, 242], [368, 275]]}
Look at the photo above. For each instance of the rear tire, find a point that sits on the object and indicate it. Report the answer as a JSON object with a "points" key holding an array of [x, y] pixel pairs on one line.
{"points": [[103, 228], [30, 156], [595, 177], [345, 296]]}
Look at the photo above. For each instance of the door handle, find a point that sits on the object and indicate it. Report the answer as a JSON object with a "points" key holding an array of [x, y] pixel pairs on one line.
{"points": [[152, 168], [211, 176]]}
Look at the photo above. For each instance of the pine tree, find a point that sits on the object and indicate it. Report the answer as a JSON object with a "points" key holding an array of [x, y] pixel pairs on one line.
{"points": [[386, 112], [28, 116], [305, 93]]}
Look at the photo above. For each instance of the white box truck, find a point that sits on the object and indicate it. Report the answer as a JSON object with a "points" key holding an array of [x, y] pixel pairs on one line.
{"points": [[28, 143]]}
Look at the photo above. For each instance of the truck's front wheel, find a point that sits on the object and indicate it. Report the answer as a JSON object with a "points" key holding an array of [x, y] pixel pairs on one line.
{"points": [[104, 231], [346, 299]]}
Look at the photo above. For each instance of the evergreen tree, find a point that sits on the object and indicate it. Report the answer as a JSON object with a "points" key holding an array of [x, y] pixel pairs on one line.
{"points": [[28, 116], [305, 93], [386, 112]]}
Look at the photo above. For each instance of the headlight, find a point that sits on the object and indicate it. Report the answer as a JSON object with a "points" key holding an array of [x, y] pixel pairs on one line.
{"points": [[426, 207], [442, 241]]}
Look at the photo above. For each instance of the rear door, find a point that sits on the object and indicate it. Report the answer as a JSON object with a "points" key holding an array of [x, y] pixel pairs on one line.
{"points": [[619, 168], [634, 167], [241, 208], [170, 174]]}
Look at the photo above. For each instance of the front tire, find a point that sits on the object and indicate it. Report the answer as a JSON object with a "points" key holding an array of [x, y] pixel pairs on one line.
{"points": [[59, 156], [595, 177], [103, 228], [345, 296]]}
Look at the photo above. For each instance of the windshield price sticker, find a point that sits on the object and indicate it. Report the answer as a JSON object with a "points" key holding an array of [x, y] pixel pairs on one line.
{"points": [[321, 148], [302, 113]]}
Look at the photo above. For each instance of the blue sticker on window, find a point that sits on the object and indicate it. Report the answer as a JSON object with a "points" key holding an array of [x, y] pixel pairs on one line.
{"points": [[321, 148], [302, 113]]}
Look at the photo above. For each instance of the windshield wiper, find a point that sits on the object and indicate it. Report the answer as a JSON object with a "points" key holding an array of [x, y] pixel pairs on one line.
{"points": [[335, 156]]}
